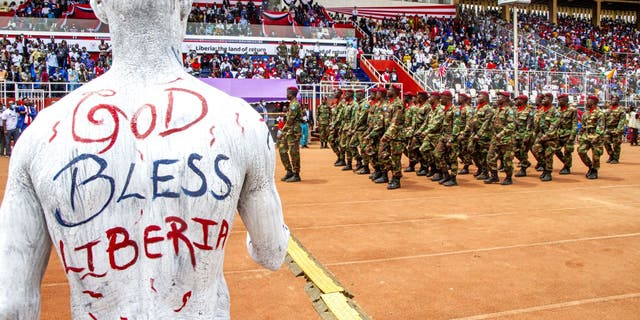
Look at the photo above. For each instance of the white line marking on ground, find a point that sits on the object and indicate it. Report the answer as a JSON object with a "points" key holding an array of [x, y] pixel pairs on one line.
{"points": [[449, 253], [551, 306]]}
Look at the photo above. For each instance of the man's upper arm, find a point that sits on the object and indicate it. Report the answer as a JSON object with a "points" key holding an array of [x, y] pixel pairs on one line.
{"points": [[259, 205], [24, 243]]}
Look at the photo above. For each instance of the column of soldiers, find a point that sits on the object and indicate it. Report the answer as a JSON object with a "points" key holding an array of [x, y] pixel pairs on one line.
{"points": [[437, 135]]}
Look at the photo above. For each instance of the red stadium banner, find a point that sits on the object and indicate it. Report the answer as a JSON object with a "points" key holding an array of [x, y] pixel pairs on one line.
{"points": [[436, 11]]}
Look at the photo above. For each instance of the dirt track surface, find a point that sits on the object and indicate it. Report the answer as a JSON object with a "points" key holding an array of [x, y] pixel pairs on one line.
{"points": [[566, 249]]}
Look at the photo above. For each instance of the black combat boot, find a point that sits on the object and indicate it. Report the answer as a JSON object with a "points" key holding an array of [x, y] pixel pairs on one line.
{"points": [[544, 172], [451, 182], [445, 177], [411, 167], [593, 175], [546, 176], [359, 164], [437, 176], [364, 170], [422, 172], [432, 171], [384, 178], [539, 167], [465, 169], [614, 161], [493, 178], [477, 173], [376, 174], [348, 166], [589, 172], [565, 170], [522, 172], [483, 175], [501, 167], [340, 163], [294, 178], [287, 176], [394, 184], [507, 181], [610, 159]]}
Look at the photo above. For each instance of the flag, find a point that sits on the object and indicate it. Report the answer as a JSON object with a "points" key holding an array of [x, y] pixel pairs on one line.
{"points": [[442, 70], [612, 73]]}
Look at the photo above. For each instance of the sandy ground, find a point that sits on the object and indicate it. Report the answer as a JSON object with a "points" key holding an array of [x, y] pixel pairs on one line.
{"points": [[567, 249]]}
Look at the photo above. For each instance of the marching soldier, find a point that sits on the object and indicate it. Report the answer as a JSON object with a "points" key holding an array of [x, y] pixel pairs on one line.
{"points": [[346, 123], [422, 114], [539, 107], [501, 147], [334, 128], [547, 136], [358, 126], [324, 121], [614, 121], [522, 136], [480, 126], [466, 113], [430, 133], [591, 136], [366, 141], [289, 142], [446, 153], [392, 142], [567, 130], [377, 130], [409, 116]]}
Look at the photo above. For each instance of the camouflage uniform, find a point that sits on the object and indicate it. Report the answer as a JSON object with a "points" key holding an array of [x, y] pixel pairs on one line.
{"points": [[538, 112], [462, 140], [591, 137], [324, 121], [334, 129], [409, 117], [392, 142], [358, 127], [289, 142], [345, 137], [522, 136], [480, 127], [567, 129], [614, 122], [547, 137], [376, 118], [501, 147], [414, 135], [431, 132], [366, 142], [446, 153]]}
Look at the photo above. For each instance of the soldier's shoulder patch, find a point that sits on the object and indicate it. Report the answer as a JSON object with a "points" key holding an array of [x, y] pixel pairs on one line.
{"points": [[293, 107], [510, 112], [531, 113], [458, 113]]}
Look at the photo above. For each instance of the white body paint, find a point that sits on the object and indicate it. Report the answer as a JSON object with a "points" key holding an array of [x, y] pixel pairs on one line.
{"points": [[161, 181]]}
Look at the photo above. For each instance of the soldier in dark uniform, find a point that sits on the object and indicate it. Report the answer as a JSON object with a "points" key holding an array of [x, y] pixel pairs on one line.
{"points": [[290, 155], [324, 120], [567, 130], [480, 127], [591, 136], [501, 147], [524, 126], [392, 142], [547, 136], [614, 121]]}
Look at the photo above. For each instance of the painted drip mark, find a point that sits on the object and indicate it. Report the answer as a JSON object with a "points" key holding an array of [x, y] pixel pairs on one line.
{"points": [[95, 295], [92, 316], [152, 280], [173, 81], [141, 213], [213, 136], [55, 131], [261, 120], [268, 139], [141, 155], [185, 298], [238, 122], [93, 275]]}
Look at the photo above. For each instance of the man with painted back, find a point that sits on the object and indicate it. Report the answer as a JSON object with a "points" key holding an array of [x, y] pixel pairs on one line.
{"points": [[145, 170]]}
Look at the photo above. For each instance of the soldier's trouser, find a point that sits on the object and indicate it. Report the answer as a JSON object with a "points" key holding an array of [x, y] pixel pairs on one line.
{"points": [[390, 155], [502, 152], [413, 151], [596, 148], [463, 153], [612, 144], [371, 150], [428, 148], [283, 150], [324, 133], [566, 156], [354, 142], [521, 152], [293, 144], [440, 155], [447, 156], [545, 151], [344, 144], [479, 150], [334, 140]]}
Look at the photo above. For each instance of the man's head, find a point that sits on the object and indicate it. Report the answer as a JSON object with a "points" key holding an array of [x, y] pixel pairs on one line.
{"points": [[337, 94], [422, 96], [615, 100], [521, 100], [360, 94], [292, 92], [434, 97], [592, 101], [503, 97], [563, 100], [446, 97], [382, 93], [483, 97], [548, 99], [539, 98], [464, 98]]}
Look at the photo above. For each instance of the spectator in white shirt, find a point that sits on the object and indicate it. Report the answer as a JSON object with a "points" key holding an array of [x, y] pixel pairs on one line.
{"points": [[10, 127]]}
